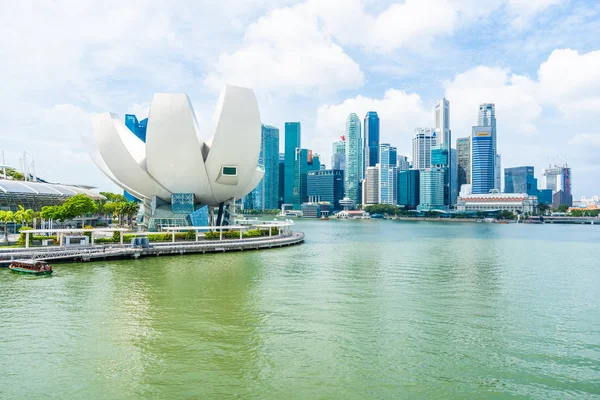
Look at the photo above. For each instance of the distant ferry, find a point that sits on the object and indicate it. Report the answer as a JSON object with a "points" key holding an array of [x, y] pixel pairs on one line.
{"points": [[31, 267]]}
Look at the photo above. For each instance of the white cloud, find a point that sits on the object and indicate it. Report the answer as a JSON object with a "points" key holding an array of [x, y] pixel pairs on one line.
{"points": [[289, 52], [571, 81], [399, 113], [586, 139], [523, 10]]}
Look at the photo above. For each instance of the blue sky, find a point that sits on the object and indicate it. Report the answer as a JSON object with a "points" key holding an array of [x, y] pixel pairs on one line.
{"points": [[313, 61]]}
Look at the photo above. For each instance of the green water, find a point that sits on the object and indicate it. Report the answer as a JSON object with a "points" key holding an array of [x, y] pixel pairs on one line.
{"points": [[363, 310]]}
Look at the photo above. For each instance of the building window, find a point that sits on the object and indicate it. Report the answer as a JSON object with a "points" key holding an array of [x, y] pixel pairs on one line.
{"points": [[229, 171]]}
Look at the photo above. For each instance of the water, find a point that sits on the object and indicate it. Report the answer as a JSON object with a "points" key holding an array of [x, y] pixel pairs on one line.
{"points": [[364, 309]]}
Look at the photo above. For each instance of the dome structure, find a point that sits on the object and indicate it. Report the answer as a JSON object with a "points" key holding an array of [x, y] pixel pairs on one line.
{"points": [[176, 157]]}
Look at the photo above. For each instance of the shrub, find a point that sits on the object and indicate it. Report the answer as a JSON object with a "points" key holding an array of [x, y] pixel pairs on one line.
{"points": [[190, 235], [21, 241], [253, 233], [231, 235], [211, 235]]}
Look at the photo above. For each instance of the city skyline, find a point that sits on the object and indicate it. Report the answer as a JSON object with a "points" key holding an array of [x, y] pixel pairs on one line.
{"points": [[514, 54]]}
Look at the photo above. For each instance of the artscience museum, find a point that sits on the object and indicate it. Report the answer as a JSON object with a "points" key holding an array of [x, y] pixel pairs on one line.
{"points": [[181, 175]]}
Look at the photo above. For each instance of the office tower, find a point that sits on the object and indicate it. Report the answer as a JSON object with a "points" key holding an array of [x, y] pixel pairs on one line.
{"points": [[440, 158], [304, 162], [371, 140], [408, 188], [138, 128], [520, 180], [315, 162], [269, 158], [353, 163], [431, 189], [372, 185], [326, 185], [498, 173], [292, 142], [482, 160], [403, 164], [424, 140], [452, 177], [463, 155], [442, 121], [558, 178], [281, 179], [388, 192], [338, 158], [487, 117]]}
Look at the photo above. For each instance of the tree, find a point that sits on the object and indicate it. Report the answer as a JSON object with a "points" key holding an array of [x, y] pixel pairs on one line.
{"points": [[24, 216], [79, 205], [6, 217], [543, 208], [563, 208]]}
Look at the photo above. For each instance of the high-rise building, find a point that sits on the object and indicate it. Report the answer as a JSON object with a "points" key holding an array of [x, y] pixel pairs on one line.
{"points": [[498, 173], [441, 111], [138, 128], [338, 158], [408, 188], [558, 178], [482, 160], [520, 180], [463, 155], [487, 118], [371, 140], [292, 142], [266, 195], [403, 164], [353, 164], [452, 177], [281, 179], [388, 192], [424, 140], [431, 189], [372, 186], [304, 162], [326, 185], [440, 159]]}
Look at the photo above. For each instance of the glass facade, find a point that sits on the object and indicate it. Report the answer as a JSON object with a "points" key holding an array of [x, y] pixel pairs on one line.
{"points": [[292, 142], [431, 189], [138, 128], [482, 160], [463, 154], [409, 188], [265, 195], [182, 203], [371, 141], [326, 185], [440, 158], [338, 158], [487, 118], [424, 140], [388, 192], [303, 163], [281, 179], [520, 180], [354, 166], [442, 121]]}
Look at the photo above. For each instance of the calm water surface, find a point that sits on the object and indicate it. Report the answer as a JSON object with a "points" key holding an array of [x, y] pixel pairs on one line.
{"points": [[363, 310]]}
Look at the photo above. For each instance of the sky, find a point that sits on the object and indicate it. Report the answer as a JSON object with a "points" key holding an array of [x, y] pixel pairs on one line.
{"points": [[313, 61]]}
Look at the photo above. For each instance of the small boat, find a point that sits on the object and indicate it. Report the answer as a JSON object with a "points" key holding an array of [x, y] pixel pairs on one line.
{"points": [[30, 267]]}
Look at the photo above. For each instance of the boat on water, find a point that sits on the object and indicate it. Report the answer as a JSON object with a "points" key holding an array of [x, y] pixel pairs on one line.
{"points": [[30, 267]]}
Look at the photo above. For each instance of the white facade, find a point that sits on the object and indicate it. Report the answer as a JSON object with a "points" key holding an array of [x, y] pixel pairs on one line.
{"points": [[441, 111], [354, 162], [498, 173], [372, 185], [520, 202], [176, 157], [424, 140]]}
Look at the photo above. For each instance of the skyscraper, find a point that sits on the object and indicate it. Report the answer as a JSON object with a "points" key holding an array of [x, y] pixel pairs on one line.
{"points": [[338, 158], [482, 160], [498, 172], [520, 180], [463, 153], [326, 185], [372, 186], [558, 178], [281, 179], [487, 117], [424, 140], [387, 174], [403, 164], [353, 164], [292, 142], [371, 140], [408, 188], [441, 111], [440, 159], [304, 162], [269, 157], [431, 189]]}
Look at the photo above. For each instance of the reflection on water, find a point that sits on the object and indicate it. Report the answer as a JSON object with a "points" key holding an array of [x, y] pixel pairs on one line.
{"points": [[364, 309]]}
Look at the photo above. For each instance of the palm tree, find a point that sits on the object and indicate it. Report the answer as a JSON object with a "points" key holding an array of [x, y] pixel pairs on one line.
{"points": [[6, 217]]}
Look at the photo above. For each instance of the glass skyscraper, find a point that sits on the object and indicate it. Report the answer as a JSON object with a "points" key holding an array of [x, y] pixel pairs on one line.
{"points": [[520, 180], [408, 188], [281, 179], [388, 192], [265, 195], [487, 118], [440, 158], [431, 189], [463, 151], [326, 185], [292, 142], [303, 163], [338, 159], [353, 164], [482, 160], [371, 140]]}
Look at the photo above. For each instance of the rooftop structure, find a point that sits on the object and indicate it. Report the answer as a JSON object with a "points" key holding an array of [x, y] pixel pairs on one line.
{"points": [[520, 202]]}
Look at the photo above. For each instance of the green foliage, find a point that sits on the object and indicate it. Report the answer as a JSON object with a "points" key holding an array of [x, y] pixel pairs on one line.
{"points": [[382, 209], [190, 235], [114, 197], [504, 214], [585, 213], [231, 235], [211, 235], [563, 208], [21, 241], [78, 205], [260, 212], [253, 233], [543, 208]]}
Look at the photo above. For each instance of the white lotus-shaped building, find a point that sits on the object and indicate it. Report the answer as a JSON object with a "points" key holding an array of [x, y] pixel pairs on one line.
{"points": [[176, 158]]}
